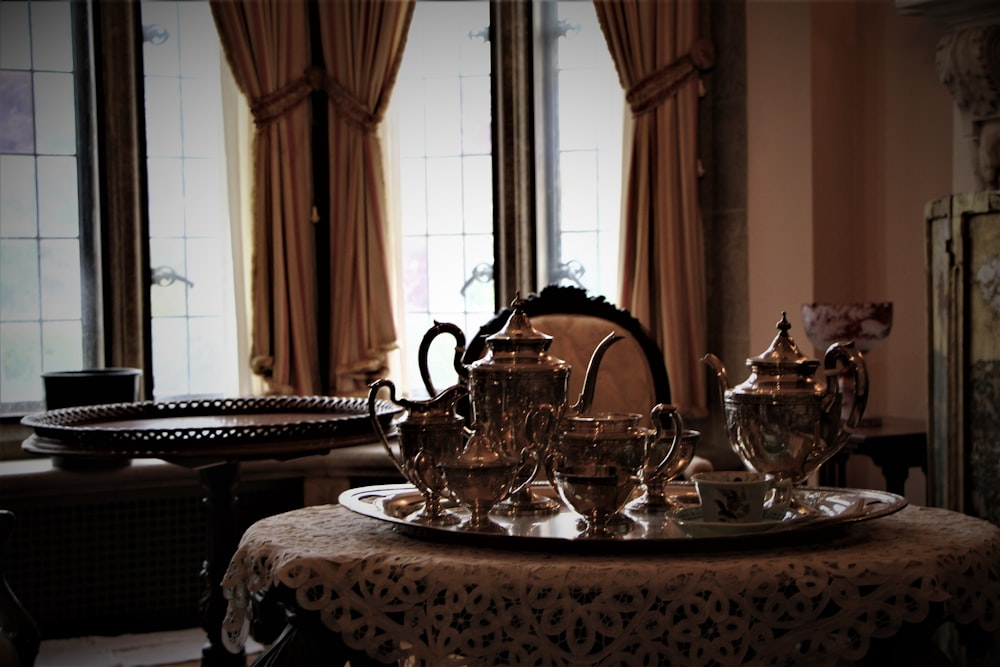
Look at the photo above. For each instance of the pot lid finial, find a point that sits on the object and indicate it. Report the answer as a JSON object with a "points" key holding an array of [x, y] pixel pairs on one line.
{"points": [[518, 333], [782, 351]]}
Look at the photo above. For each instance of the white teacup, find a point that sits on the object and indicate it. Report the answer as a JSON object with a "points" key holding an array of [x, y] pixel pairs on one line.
{"points": [[731, 496]]}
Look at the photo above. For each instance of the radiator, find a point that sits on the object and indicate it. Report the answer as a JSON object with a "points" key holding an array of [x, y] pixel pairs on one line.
{"points": [[129, 563]]}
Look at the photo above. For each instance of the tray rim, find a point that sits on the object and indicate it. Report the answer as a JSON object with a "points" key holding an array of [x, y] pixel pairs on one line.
{"points": [[69, 430], [352, 499]]}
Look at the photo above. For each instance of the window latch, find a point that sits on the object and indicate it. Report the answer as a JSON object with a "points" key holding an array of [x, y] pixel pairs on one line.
{"points": [[164, 276]]}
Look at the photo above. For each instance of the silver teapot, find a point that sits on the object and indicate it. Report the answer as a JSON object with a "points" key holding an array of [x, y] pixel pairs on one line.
{"points": [[520, 385], [780, 419]]}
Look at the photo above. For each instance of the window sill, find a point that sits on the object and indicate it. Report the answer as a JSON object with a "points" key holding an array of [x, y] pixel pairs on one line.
{"points": [[37, 478]]}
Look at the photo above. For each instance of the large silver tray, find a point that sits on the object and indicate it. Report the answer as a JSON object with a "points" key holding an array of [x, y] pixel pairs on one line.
{"points": [[823, 511]]}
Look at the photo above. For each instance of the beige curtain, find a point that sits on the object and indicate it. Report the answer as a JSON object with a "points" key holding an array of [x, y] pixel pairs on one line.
{"points": [[267, 46], [657, 55], [362, 48]]}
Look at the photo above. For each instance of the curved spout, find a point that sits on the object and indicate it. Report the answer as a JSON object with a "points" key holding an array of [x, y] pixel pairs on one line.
{"points": [[720, 371], [590, 379]]}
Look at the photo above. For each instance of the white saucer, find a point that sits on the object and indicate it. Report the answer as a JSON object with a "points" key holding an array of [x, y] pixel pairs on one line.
{"points": [[690, 521]]}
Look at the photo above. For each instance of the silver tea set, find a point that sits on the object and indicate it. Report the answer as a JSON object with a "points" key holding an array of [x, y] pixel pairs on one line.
{"points": [[521, 428]]}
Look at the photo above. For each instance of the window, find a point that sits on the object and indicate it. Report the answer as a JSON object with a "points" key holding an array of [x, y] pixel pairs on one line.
{"points": [[48, 308], [51, 311], [446, 162], [191, 299], [50, 276]]}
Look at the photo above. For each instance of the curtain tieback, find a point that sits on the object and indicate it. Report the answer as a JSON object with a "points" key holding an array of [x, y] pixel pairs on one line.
{"points": [[652, 90], [348, 106], [269, 108]]}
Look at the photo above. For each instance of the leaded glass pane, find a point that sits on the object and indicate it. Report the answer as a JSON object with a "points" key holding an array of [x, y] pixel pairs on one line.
{"points": [[60, 278], [51, 37], [202, 201], [15, 43], [19, 298], [55, 114], [170, 356], [209, 370], [478, 290], [411, 139], [476, 115], [58, 201], [413, 193], [578, 200], [199, 55], [202, 132], [169, 297], [61, 345], [163, 117], [415, 286], [166, 197], [444, 195], [208, 273], [21, 362], [446, 272], [160, 56], [477, 194], [18, 209], [444, 126], [17, 118]]}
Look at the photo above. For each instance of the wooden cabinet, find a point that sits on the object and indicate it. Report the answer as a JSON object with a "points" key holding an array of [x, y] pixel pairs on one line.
{"points": [[963, 233]]}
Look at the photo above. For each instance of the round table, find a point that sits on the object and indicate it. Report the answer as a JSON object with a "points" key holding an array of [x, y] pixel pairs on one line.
{"points": [[391, 596]]}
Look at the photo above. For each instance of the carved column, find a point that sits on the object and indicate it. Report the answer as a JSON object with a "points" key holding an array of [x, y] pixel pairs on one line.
{"points": [[963, 257], [968, 64]]}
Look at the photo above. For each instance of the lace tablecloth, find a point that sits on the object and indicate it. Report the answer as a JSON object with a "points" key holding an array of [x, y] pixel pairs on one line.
{"points": [[395, 596]]}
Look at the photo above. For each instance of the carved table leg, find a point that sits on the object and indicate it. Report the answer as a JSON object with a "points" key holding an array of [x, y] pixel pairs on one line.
{"points": [[219, 484]]}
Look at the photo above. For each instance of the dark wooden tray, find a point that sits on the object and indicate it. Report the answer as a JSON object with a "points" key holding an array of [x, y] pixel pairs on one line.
{"points": [[277, 424]]}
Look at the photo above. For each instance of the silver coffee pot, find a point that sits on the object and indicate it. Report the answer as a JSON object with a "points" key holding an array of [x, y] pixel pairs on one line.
{"points": [[781, 419], [519, 385]]}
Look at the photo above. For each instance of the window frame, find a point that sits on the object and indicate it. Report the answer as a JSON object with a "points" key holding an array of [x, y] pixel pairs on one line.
{"points": [[515, 153], [88, 182], [124, 214]]}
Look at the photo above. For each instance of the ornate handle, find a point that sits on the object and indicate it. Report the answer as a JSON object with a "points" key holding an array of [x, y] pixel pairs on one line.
{"points": [[659, 414], [549, 464], [526, 471], [372, 394], [425, 346], [851, 358], [427, 475]]}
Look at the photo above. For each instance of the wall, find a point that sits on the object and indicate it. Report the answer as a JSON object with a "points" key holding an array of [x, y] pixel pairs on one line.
{"points": [[779, 175], [849, 135]]}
